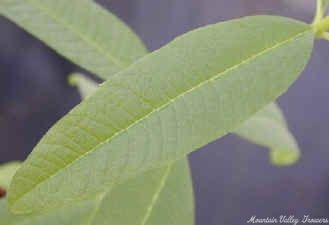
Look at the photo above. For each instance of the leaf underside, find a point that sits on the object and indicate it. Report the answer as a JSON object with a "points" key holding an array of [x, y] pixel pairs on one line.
{"points": [[81, 37], [162, 107], [112, 66]]}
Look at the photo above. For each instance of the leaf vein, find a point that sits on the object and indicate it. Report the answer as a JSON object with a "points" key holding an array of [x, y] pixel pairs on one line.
{"points": [[172, 100]]}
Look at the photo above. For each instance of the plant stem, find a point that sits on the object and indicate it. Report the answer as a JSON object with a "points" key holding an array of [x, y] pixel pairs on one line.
{"points": [[319, 12], [321, 26], [320, 23]]}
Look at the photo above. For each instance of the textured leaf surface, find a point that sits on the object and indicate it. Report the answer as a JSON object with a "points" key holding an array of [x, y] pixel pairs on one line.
{"points": [[268, 128], [96, 43], [173, 101], [82, 31], [158, 195]]}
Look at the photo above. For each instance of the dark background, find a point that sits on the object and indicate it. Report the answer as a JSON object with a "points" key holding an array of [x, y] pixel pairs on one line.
{"points": [[233, 179]]}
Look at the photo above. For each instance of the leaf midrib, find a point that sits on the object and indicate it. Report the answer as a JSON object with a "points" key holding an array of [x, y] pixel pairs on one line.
{"points": [[86, 39], [157, 109]]}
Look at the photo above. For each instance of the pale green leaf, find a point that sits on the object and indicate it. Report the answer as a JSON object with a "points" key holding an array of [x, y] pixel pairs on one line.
{"points": [[69, 32], [158, 195], [268, 128], [7, 171], [175, 100], [282, 145], [82, 31]]}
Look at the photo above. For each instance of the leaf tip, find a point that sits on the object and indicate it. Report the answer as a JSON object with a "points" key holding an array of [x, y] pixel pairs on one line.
{"points": [[284, 157], [73, 80]]}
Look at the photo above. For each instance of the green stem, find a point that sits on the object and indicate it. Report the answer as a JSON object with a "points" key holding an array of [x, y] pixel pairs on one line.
{"points": [[321, 26], [319, 11], [320, 23]]}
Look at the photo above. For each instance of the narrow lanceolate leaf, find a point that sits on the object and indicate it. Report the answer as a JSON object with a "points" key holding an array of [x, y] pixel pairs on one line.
{"points": [[268, 128], [82, 31], [158, 195], [169, 103], [97, 43]]}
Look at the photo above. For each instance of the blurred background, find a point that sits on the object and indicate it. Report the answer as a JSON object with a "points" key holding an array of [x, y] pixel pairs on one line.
{"points": [[233, 178]]}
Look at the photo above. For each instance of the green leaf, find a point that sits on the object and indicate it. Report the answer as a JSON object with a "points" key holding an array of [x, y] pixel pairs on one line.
{"points": [[175, 100], [7, 171], [82, 31], [99, 51], [268, 128], [158, 195]]}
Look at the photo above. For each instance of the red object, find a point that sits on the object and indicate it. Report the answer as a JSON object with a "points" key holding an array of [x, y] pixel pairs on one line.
{"points": [[3, 192]]}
